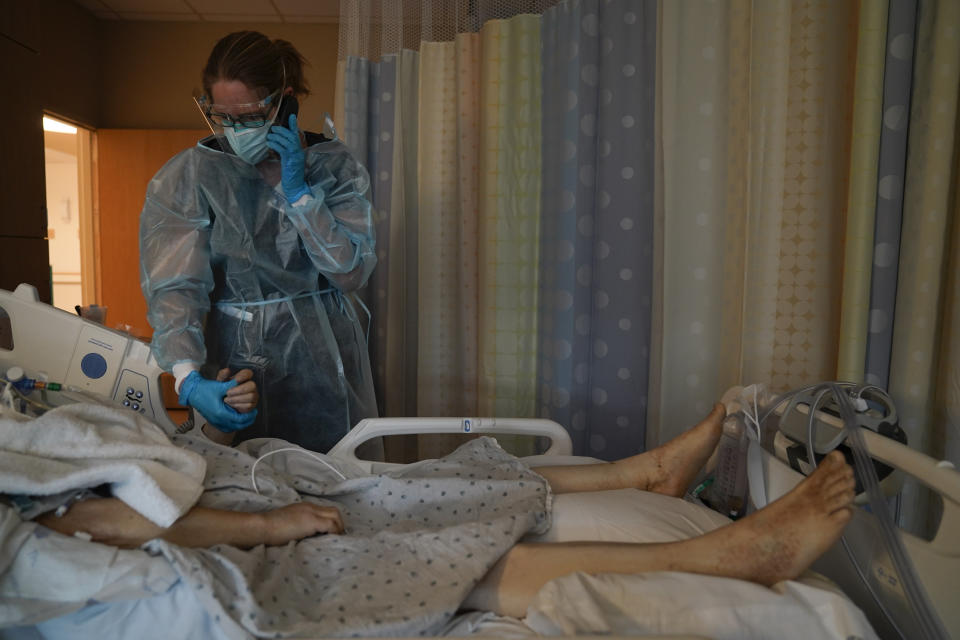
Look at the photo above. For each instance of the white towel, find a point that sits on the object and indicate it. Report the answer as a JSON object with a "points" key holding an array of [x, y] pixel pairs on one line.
{"points": [[86, 445]]}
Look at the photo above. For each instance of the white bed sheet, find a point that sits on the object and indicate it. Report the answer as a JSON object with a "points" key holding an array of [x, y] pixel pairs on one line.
{"points": [[672, 602], [656, 603]]}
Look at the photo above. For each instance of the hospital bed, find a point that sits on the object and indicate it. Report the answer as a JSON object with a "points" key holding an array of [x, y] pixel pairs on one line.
{"points": [[90, 360]]}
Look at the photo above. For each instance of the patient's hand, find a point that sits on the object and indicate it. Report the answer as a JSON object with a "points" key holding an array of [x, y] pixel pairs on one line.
{"points": [[300, 520], [243, 397]]}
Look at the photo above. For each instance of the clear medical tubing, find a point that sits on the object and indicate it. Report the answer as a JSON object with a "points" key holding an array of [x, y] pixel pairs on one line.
{"points": [[927, 623]]}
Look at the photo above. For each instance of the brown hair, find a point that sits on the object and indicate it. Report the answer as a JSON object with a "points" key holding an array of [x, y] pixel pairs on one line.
{"points": [[256, 61]]}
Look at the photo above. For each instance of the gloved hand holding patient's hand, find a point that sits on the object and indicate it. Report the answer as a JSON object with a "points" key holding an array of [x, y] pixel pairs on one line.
{"points": [[243, 397], [207, 397], [293, 161]]}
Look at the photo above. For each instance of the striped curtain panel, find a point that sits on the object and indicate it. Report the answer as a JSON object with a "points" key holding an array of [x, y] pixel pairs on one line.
{"points": [[479, 198], [451, 137], [862, 194], [449, 214], [754, 106], [509, 189]]}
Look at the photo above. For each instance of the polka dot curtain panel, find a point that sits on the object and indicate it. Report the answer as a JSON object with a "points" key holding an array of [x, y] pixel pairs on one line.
{"points": [[596, 228], [924, 377]]}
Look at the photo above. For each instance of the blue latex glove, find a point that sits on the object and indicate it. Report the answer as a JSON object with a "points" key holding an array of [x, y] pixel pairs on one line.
{"points": [[206, 396], [293, 162]]}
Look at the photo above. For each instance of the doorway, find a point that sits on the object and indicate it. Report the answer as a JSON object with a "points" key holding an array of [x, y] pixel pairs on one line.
{"points": [[70, 224]]}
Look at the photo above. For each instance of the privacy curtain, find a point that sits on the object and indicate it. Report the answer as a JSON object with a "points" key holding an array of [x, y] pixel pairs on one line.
{"points": [[596, 230], [806, 224], [480, 205], [607, 213], [755, 107], [380, 125], [486, 301], [900, 297], [924, 379], [446, 113]]}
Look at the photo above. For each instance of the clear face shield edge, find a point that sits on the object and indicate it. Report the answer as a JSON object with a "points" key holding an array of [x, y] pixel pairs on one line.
{"points": [[253, 115], [243, 127]]}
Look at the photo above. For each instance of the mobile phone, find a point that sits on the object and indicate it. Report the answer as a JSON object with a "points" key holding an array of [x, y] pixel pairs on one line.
{"points": [[288, 105]]}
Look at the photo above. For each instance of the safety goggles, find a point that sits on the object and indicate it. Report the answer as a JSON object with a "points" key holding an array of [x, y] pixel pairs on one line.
{"points": [[250, 115]]}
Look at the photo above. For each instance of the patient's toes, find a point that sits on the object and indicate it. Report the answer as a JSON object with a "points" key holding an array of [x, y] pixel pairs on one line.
{"points": [[831, 462], [831, 486], [840, 517], [839, 499], [837, 459], [833, 467], [839, 480]]}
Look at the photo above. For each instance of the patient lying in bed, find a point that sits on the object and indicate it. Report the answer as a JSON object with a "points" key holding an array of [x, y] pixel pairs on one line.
{"points": [[415, 545]]}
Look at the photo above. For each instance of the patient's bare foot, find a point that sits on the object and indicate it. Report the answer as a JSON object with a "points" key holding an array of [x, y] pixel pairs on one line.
{"points": [[669, 469], [782, 540]]}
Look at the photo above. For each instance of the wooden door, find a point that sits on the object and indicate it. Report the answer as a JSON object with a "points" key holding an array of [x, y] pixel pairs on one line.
{"points": [[127, 159]]}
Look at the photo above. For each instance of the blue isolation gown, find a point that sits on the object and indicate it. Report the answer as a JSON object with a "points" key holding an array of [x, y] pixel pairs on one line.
{"points": [[235, 276]]}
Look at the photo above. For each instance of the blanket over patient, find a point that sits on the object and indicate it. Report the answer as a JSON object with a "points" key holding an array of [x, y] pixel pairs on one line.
{"points": [[81, 446], [417, 540]]}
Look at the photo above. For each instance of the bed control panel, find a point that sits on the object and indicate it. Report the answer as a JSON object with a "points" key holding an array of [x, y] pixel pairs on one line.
{"points": [[133, 392], [50, 344]]}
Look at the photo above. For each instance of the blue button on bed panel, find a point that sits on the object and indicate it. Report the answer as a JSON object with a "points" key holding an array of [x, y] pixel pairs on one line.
{"points": [[93, 365]]}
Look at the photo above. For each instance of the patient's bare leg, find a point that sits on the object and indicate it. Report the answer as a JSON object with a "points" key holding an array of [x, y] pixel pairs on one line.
{"points": [[669, 469], [776, 543]]}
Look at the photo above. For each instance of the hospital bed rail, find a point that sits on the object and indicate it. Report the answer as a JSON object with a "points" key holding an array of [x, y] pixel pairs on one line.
{"points": [[370, 428]]}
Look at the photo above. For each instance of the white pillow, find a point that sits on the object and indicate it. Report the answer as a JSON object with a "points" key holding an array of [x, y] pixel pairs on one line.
{"points": [[674, 602], [686, 603], [627, 515]]}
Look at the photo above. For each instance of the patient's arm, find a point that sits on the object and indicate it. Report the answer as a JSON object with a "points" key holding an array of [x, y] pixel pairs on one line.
{"points": [[110, 521]]}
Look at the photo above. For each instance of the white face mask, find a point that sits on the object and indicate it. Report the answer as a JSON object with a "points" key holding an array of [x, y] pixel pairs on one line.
{"points": [[250, 144]]}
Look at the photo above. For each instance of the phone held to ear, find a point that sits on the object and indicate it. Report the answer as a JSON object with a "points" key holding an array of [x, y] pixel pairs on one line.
{"points": [[288, 106]]}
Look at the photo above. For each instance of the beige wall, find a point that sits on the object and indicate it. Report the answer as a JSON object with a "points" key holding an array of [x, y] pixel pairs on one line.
{"points": [[150, 69]]}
